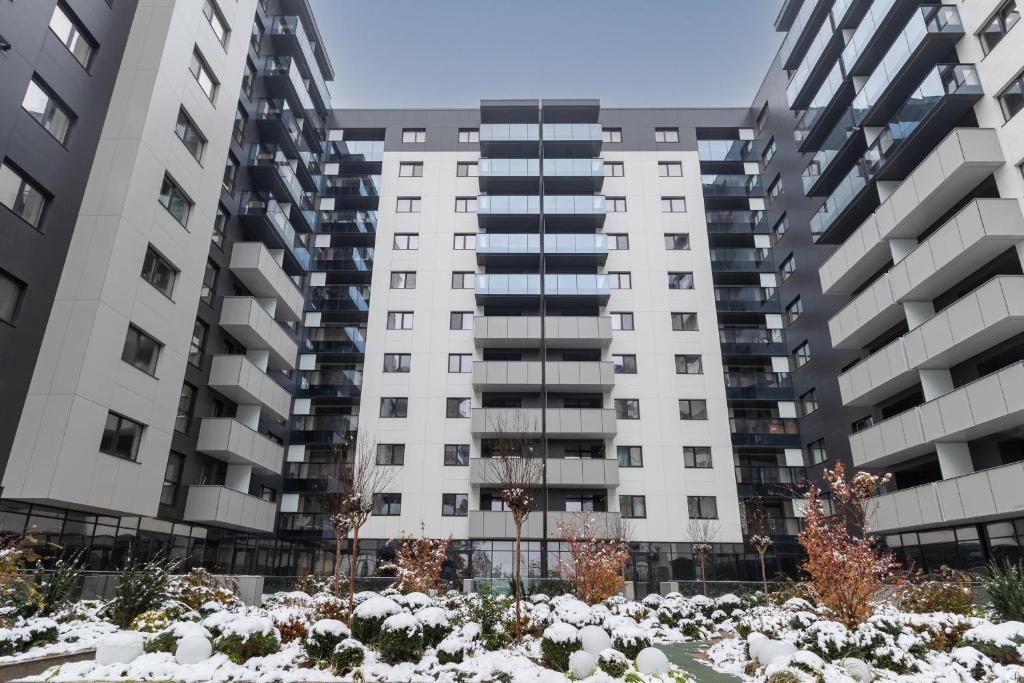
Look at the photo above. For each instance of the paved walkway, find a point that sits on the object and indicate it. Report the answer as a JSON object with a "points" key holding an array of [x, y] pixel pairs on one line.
{"points": [[683, 656]]}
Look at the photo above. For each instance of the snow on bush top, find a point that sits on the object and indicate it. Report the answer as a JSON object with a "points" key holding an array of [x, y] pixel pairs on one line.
{"points": [[630, 634], [330, 627], [561, 632], [453, 644], [363, 596], [248, 626], [432, 616], [1006, 634], [376, 607], [181, 629], [416, 600], [575, 612], [728, 600], [401, 622]]}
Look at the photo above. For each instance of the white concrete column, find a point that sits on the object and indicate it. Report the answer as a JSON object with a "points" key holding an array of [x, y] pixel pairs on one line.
{"points": [[259, 357], [237, 477], [249, 416], [935, 383], [269, 305], [900, 248], [917, 312], [954, 459]]}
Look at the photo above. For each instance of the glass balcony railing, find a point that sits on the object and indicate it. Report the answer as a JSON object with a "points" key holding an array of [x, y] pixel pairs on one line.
{"points": [[795, 35], [763, 425], [849, 188], [292, 26], [508, 168], [574, 204], [559, 284], [749, 335], [281, 66], [745, 298], [499, 284], [348, 221], [350, 298], [323, 428], [354, 150], [510, 132], [765, 474], [725, 150], [262, 205], [501, 243], [508, 204], [780, 526], [865, 32], [334, 339], [279, 112], [583, 244], [271, 157], [741, 258], [757, 380], [825, 36], [592, 168], [343, 259], [528, 284], [564, 132], [736, 221], [836, 140], [352, 186], [331, 383], [821, 102], [723, 185]]}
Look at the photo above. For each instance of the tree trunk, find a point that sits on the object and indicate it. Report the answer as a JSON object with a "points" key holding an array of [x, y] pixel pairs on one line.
{"points": [[703, 577], [764, 575], [352, 573], [337, 561], [517, 575]]}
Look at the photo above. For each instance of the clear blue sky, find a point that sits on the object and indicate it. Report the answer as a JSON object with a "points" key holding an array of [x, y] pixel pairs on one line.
{"points": [[452, 53]]}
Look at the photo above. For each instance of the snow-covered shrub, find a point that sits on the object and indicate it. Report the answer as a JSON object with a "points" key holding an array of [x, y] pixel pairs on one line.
{"points": [[199, 587], [453, 650], [577, 613], [434, 625], [783, 676], [327, 606], [415, 600], [1000, 642], [613, 663], [348, 655], [141, 587], [323, 637], [669, 614], [703, 605], [370, 614], [28, 633], [246, 637], [152, 621], [950, 592], [632, 609], [165, 641], [400, 639], [1005, 587], [629, 640], [652, 601], [493, 614], [560, 640]]}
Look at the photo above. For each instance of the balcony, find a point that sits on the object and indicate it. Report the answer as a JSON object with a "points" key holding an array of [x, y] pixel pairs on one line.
{"points": [[278, 125], [507, 249], [282, 79], [358, 225], [487, 422], [272, 171], [929, 35], [831, 100], [242, 381], [578, 332], [289, 35], [322, 429], [987, 316], [574, 332], [801, 32], [220, 506], [355, 152], [335, 339], [719, 151], [577, 473], [355, 262], [508, 211], [571, 286], [504, 286], [564, 376], [510, 139], [761, 386], [780, 526], [736, 222], [570, 212], [787, 14], [756, 341], [569, 249], [970, 498], [838, 151], [746, 300], [509, 176], [821, 54], [230, 441], [742, 260], [269, 222], [340, 299], [585, 286], [726, 185], [847, 207], [247, 321], [562, 423], [589, 376], [258, 269], [866, 316], [331, 382], [875, 34], [572, 176], [769, 481], [507, 375], [573, 140], [359, 192], [985, 406], [764, 431], [847, 14], [491, 524]]}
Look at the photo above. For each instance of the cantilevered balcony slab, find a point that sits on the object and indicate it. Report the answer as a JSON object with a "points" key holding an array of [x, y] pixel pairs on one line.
{"points": [[501, 375], [493, 524], [868, 315], [578, 332], [565, 332], [862, 255], [222, 507], [248, 322], [262, 274], [898, 438], [488, 422], [500, 331], [584, 423], [574, 472], [230, 441], [580, 375], [243, 382]]}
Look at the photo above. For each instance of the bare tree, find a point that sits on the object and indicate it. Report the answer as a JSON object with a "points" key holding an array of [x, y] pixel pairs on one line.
{"points": [[702, 534], [516, 471], [755, 521], [597, 556], [334, 504]]}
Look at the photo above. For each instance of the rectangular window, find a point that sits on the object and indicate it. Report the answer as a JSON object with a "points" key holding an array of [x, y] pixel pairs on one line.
{"points": [[189, 134], [68, 29], [693, 409], [627, 408], [203, 74], [397, 362], [809, 402], [618, 242], [410, 169], [406, 241], [417, 135], [697, 457], [220, 226], [387, 504], [677, 241], [670, 169], [407, 205], [802, 355], [769, 152], [466, 169], [666, 135], [469, 135], [460, 362], [619, 281], [460, 320], [172, 478], [186, 406], [702, 507], [464, 242], [403, 280], [230, 174], [611, 135], [158, 271], [625, 364], [217, 21], [400, 320], [454, 504], [680, 280], [256, 35], [175, 200], [622, 321], [687, 364], [22, 196], [457, 407], [614, 169], [121, 436], [1012, 98], [1005, 18], [762, 117], [391, 454], [465, 205], [206, 293], [238, 128], [684, 322], [794, 310], [140, 350], [456, 454], [816, 452], [394, 407], [632, 507], [198, 344], [673, 204], [11, 291], [779, 229], [774, 190], [630, 456], [248, 79], [52, 114], [462, 280], [787, 267], [615, 205]]}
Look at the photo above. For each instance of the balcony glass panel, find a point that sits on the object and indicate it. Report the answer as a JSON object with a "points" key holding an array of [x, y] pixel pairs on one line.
{"points": [[776, 425], [507, 284], [573, 167], [574, 204], [588, 132], [292, 26], [498, 243], [796, 29], [740, 257], [724, 150], [271, 156], [810, 61], [830, 147], [333, 382], [348, 221], [739, 221], [758, 295], [877, 13], [575, 244], [347, 259], [749, 335], [355, 150], [509, 168], [569, 284], [352, 298], [278, 110], [262, 204], [276, 66], [352, 186], [757, 380], [509, 132], [333, 339], [826, 93], [848, 188], [722, 185], [508, 204]]}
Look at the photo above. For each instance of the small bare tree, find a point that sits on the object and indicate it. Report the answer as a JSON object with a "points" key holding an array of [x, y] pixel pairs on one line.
{"points": [[334, 504], [703, 533], [516, 471], [756, 525], [597, 557]]}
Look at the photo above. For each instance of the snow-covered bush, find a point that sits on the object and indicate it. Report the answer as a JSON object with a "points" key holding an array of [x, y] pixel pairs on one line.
{"points": [[370, 614], [322, 639], [434, 625], [629, 640], [613, 663], [199, 587], [349, 654], [400, 639], [453, 650], [1000, 642], [560, 640], [577, 613], [28, 633], [246, 637]]}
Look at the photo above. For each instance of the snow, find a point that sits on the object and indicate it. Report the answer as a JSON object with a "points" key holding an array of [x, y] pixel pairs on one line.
{"points": [[192, 650], [651, 661], [376, 607], [1006, 634], [330, 627], [245, 627], [582, 663], [119, 648], [561, 632], [401, 622], [595, 639], [433, 617]]}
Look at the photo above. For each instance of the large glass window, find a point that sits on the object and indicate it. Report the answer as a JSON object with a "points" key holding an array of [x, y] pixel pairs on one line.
{"points": [[121, 436], [186, 406], [172, 478], [622, 321], [1005, 18], [680, 280], [203, 74], [457, 407], [456, 454], [21, 195], [633, 507], [1012, 98], [209, 287], [666, 135], [689, 364], [44, 107], [630, 456], [198, 343], [460, 320], [702, 507], [397, 362], [417, 135], [387, 504], [684, 322], [693, 409], [697, 457], [394, 407], [454, 504], [68, 29], [391, 454], [189, 134], [175, 200], [627, 408], [400, 320], [140, 350], [217, 21]]}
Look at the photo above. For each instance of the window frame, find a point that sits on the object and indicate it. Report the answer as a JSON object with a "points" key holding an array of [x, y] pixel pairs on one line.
{"points": [[469, 136], [701, 502], [411, 240], [672, 204], [666, 134], [141, 336], [458, 402], [625, 367], [626, 408], [25, 182], [216, 14], [399, 407], [387, 505], [691, 461], [412, 167], [682, 317], [622, 317], [54, 104], [462, 318], [121, 419], [629, 461], [680, 278], [689, 360], [458, 509], [456, 450], [190, 123], [611, 135], [403, 279], [665, 169], [418, 135], [200, 66], [78, 31], [694, 406], [182, 196], [394, 455], [460, 363], [401, 363], [403, 316], [672, 239], [632, 500]]}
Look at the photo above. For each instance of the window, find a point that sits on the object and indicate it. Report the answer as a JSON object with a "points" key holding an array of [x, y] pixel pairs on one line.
{"points": [[774, 190], [809, 402], [457, 407], [403, 280], [121, 436], [625, 364], [679, 241], [684, 322], [632, 507], [1012, 98], [140, 350], [618, 242], [217, 22], [469, 135], [462, 280], [693, 409], [172, 478], [186, 404], [862, 424], [11, 291], [464, 242], [460, 320], [466, 169], [622, 321], [787, 267], [630, 456], [21, 195], [697, 457], [680, 280], [1005, 18], [387, 504], [410, 169], [673, 204], [779, 229], [619, 281], [666, 135], [408, 205], [614, 169], [189, 135], [689, 365], [460, 362], [816, 452], [206, 293], [465, 205], [158, 271], [627, 408], [769, 152], [670, 169], [802, 354], [44, 107], [256, 35], [794, 310], [456, 454], [702, 507], [248, 79], [220, 226], [394, 407], [70, 32], [414, 135], [230, 174], [406, 241], [400, 320], [762, 117], [615, 205], [174, 200], [391, 454], [198, 344], [611, 135], [397, 362], [238, 129], [203, 75], [454, 504]]}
